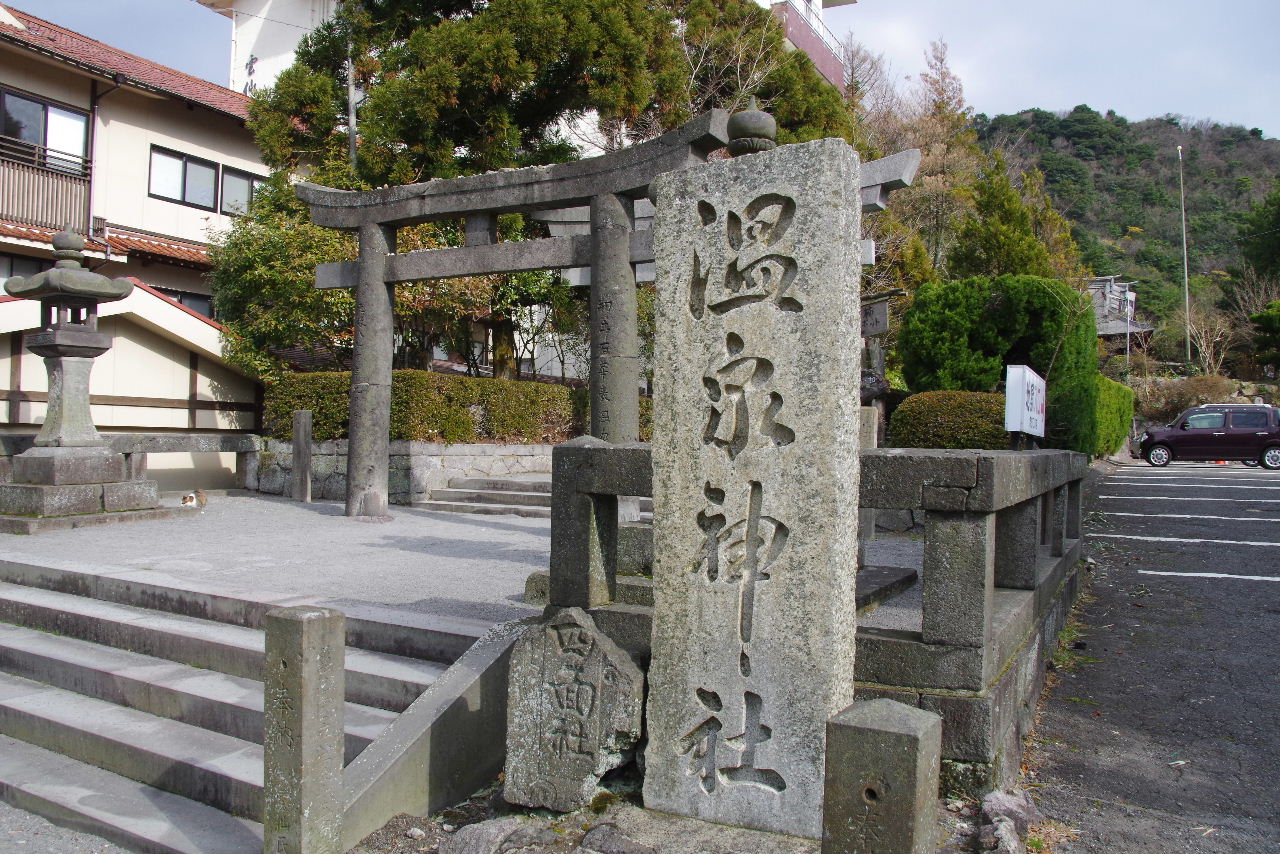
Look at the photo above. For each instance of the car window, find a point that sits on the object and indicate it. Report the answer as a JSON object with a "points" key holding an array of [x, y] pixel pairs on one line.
{"points": [[1203, 420], [1253, 418]]}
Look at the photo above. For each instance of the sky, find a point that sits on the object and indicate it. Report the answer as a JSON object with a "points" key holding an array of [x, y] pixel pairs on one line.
{"points": [[1142, 58]]}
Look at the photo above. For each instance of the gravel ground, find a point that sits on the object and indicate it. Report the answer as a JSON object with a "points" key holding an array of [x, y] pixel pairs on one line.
{"points": [[22, 832]]}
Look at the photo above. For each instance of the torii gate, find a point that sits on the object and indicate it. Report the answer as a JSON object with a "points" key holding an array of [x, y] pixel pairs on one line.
{"points": [[608, 185]]}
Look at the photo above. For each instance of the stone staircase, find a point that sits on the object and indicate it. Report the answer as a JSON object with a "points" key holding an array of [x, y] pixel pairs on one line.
{"points": [[134, 709], [522, 495]]}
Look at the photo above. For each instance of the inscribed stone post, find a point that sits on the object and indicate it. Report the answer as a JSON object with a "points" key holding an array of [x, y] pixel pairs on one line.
{"points": [[755, 453], [573, 712]]}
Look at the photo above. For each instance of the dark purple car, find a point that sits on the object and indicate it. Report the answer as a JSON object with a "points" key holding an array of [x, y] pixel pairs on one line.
{"points": [[1224, 431]]}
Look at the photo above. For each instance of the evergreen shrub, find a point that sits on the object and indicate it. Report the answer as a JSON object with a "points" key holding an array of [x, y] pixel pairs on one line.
{"points": [[950, 419], [1115, 416], [429, 407], [960, 336]]}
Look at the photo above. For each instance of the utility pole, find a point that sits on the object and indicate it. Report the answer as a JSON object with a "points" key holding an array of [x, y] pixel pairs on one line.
{"points": [[1186, 278], [351, 108]]}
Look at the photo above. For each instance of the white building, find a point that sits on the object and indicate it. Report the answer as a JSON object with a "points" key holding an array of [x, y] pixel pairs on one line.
{"points": [[265, 35], [144, 161]]}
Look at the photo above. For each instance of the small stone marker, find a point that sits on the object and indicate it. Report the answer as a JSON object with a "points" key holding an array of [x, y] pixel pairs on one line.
{"points": [[755, 458], [883, 762], [303, 744], [573, 712], [302, 455]]}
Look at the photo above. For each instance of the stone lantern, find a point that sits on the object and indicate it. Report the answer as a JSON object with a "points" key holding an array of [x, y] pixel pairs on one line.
{"points": [[71, 470]]}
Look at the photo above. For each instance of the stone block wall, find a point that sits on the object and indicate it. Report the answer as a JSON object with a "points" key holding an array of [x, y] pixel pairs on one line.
{"points": [[417, 468]]}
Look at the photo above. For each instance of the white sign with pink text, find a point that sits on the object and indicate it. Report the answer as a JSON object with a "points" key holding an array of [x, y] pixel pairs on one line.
{"points": [[1024, 401]]}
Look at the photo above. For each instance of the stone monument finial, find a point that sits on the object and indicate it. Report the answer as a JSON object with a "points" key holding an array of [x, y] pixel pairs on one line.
{"points": [[752, 130]]}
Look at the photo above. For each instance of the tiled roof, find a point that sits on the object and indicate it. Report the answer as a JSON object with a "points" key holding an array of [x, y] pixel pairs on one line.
{"points": [[165, 247], [38, 234], [61, 43], [121, 241]]}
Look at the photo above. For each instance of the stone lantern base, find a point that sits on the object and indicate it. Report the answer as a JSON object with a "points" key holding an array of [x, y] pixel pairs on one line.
{"points": [[56, 488]]}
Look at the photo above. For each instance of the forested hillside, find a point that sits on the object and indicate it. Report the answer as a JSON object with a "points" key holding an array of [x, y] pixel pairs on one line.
{"points": [[1118, 182]]}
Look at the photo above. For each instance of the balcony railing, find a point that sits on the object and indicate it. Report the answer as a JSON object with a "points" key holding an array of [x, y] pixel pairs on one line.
{"points": [[40, 186], [804, 29]]}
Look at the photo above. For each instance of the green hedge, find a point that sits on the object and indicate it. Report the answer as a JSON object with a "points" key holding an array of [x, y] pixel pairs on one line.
{"points": [[961, 335], [429, 407], [1115, 415], [950, 419]]}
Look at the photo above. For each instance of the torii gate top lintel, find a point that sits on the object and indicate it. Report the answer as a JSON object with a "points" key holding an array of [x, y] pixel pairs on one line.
{"points": [[626, 172]]}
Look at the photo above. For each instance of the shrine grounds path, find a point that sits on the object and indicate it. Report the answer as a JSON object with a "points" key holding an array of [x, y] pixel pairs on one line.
{"points": [[1165, 736]]}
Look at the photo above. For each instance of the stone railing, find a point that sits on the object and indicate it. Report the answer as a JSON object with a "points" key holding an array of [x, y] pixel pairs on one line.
{"points": [[1002, 541], [136, 446]]}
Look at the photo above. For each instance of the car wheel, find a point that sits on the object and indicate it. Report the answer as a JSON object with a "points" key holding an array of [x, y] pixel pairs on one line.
{"points": [[1253, 464], [1159, 455], [1270, 458]]}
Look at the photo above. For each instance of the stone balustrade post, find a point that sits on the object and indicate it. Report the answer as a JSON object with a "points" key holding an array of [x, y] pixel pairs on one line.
{"points": [[1073, 509], [303, 739], [1017, 545], [1058, 521], [884, 761], [247, 467], [588, 475], [959, 577]]}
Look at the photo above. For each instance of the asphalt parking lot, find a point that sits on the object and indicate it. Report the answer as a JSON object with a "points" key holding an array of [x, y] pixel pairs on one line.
{"points": [[1165, 737]]}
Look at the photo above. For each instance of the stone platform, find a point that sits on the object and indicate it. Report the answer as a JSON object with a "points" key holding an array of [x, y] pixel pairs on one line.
{"points": [[41, 524]]}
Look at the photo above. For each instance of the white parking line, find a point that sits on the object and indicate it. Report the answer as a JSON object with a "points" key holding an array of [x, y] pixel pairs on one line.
{"points": [[1144, 478], [1185, 540], [1185, 516], [1211, 575], [1182, 498], [1115, 481]]}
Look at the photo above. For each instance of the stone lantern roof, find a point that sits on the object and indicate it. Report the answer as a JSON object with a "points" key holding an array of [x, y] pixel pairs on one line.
{"points": [[68, 279]]}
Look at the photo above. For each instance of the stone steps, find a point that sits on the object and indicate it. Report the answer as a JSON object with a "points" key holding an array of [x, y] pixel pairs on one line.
{"points": [[485, 509], [492, 496], [530, 483], [131, 703], [529, 496], [373, 679], [216, 769], [127, 812], [231, 705]]}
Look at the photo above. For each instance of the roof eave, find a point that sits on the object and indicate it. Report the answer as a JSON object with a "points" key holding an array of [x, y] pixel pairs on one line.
{"points": [[110, 76]]}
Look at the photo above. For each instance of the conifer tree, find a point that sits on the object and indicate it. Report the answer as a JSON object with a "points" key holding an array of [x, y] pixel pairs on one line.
{"points": [[998, 236]]}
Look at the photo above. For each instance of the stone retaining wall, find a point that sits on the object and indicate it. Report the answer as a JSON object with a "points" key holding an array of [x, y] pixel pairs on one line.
{"points": [[417, 468]]}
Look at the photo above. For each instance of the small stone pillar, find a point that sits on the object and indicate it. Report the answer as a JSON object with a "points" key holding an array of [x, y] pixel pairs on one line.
{"points": [[302, 455], [881, 789], [303, 740]]}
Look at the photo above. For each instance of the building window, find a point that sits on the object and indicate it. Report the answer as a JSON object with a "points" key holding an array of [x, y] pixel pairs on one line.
{"points": [[183, 178], [43, 134], [199, 303], [238, 190], [21, 265]]}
